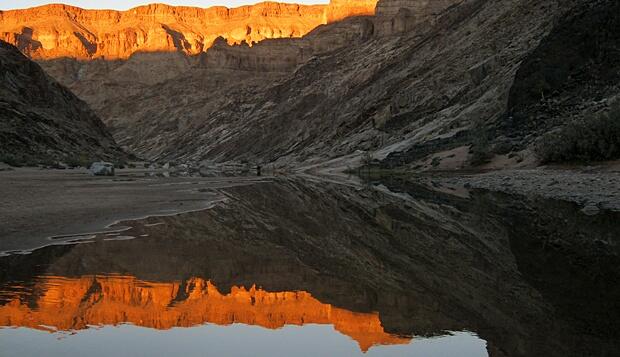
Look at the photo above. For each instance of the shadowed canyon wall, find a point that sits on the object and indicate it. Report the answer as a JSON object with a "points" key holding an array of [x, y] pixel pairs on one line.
{"points": [[41, 120]]}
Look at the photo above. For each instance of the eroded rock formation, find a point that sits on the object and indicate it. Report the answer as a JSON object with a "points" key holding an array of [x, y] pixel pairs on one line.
{"points": [[55, 31]]}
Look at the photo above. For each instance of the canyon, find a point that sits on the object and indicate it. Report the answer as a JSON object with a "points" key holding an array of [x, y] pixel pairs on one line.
{"points": [[416, 84], [423, 176]]}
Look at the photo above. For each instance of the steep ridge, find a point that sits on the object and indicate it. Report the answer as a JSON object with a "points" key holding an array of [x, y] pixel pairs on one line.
{"points": [[428, 86], [40, 120], [223, 83], [418, 85], [424, 84]]}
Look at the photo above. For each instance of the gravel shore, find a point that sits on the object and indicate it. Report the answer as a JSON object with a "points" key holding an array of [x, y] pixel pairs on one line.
{"points": [[594, 191]]}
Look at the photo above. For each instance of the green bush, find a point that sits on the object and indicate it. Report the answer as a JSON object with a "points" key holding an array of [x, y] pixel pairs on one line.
{"points": [[587, 139]]}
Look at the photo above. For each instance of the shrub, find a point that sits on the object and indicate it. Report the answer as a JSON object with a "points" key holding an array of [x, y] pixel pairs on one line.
{"points": [[80, 161], [583, 140], [10, 160], [18, 160], [480, 137]]}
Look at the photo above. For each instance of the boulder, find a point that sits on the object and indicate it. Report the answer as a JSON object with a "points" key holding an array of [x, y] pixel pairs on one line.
{"points": [[102, 169], [590, 209]]}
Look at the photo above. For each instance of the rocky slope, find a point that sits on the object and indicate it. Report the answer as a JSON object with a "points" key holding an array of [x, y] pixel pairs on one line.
{"points": [[573, 73], [415, 84], [421, 84], [436, 82], [131, 69], [40, 120]]}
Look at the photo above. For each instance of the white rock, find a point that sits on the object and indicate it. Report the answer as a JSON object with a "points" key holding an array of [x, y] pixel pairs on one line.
{"points": [[102, 168]]}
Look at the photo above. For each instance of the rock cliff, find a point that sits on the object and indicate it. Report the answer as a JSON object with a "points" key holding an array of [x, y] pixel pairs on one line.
{"points": [[40, 120], [55, 31], [422, 84], [424, 87]]}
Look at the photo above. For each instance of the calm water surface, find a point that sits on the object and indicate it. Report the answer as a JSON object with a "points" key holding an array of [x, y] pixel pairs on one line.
{"points": [[389, 268]]}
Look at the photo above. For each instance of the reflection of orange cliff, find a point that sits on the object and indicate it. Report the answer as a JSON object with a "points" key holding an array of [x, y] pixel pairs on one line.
{"points": [[72, 304], [54, 31]]}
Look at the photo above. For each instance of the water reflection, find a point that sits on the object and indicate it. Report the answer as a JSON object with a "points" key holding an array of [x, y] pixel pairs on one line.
{"points": [[391, 265], [232, 340], [73, 304]]}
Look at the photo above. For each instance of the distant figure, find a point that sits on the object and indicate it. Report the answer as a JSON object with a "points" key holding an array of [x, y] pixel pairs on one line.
{"points": [[257, 170]]}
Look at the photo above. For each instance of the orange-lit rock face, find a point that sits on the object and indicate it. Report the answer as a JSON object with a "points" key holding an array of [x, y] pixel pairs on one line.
{"points": [[54, 31], [73, 304]]}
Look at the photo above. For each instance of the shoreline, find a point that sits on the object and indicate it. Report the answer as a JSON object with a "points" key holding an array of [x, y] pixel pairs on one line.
{"points": [[48, 207], [593, 191], [44, 207]]}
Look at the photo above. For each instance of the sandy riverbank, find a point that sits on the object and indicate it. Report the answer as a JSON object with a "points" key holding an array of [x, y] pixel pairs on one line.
{"points": [[38, 204]]}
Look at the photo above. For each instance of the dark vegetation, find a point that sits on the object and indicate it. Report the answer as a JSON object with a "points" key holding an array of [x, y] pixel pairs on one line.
{"points": [[25, 160], [573, 73], [586, 139], [53, 162], [480, 149]]}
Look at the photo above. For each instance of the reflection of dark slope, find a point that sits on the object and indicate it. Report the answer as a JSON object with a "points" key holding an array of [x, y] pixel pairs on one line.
{"points": [[427, 264], [569, 258], [575, 266]]}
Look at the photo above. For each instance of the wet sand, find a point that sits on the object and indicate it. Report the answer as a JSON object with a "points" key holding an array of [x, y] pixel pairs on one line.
{"points": [[40, 207]]}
